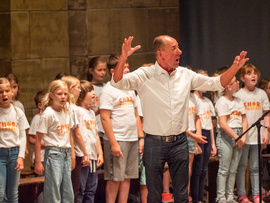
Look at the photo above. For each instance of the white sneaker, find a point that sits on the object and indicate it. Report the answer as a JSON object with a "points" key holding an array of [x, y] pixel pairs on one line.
{"points": [[231, 201], [222, 200]]}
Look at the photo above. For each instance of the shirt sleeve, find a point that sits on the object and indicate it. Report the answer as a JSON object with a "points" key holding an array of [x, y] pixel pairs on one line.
{"points": [[33, 126], [222, 108], [22, 136], [205, 83], [131, 81], [43, 124], [106, 101], [23, 125]]}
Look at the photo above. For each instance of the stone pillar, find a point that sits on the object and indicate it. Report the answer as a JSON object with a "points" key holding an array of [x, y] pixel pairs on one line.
{"points": [[5, 37], [38, 38]]}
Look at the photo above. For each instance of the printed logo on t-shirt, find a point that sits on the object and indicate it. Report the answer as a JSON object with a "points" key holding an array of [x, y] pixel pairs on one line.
{"points": [[235, 114], [191, 110], [11, 126], [249, 106], [63, 129], [205, 115], [126, 101], [91, 124]]}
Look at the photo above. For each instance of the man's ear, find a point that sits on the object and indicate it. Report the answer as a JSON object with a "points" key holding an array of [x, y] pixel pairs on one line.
{"points": [[159, 54]]}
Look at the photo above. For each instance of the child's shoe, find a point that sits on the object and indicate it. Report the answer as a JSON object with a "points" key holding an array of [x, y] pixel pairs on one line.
{"points": [[167, 197], [256, 199], [222, 200], [231, 201], [244, 199], [189, 198]]}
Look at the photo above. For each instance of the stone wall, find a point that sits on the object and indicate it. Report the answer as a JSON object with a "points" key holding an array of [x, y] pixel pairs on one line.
{"points": [[38, 38]]}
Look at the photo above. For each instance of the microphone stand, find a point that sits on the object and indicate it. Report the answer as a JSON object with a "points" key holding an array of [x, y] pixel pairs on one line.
{"points": [[258, 125]]}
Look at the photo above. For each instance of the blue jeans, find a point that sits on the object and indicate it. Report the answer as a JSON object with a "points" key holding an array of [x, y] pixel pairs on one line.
{"points": [[156, 153], [9, 177], [58, 185], [200, 166], [248, 152], [88, 186], [229, 157]]}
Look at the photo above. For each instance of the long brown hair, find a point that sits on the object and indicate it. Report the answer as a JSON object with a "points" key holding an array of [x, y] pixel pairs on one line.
{"points": [[85, 87]]}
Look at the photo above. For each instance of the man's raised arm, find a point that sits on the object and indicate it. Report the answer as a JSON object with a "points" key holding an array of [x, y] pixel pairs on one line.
{"points": [[127, 50], [238, 63]]}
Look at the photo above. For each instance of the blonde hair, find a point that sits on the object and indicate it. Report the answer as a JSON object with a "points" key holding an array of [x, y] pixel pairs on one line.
{"points": [[85, 88], [5, 81], [71, 82], [53, 87], [201, 71], [11, 77], [147, 64]]}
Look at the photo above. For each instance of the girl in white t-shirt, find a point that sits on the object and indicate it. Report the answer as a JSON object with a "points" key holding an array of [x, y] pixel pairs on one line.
{"points": [[96, 74], [54, 128], [13, 124], [193, 133], [74, 88], [200, 163], [232, 121], [256, 103], [88, 127]]}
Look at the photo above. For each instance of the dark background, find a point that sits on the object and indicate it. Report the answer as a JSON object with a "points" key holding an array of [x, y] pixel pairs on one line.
{"points": [[213, 32]]}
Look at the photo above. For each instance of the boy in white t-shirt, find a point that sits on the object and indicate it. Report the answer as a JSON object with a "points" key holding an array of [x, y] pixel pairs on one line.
{"points": [[120, 120], [34, 126], [88, 128], [232, 121], [256, 103]]}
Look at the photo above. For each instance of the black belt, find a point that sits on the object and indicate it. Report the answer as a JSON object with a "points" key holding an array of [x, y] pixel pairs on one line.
{"points": [[170, 138]]}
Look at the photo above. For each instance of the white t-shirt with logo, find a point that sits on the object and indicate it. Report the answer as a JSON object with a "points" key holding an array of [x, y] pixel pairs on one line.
{"points": [[232, 109], [192, 112], [12, 122], [56, 128], [255, 103], [88, 128], [122, 104], [73, 114], [33, 131], [205, 111]]}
